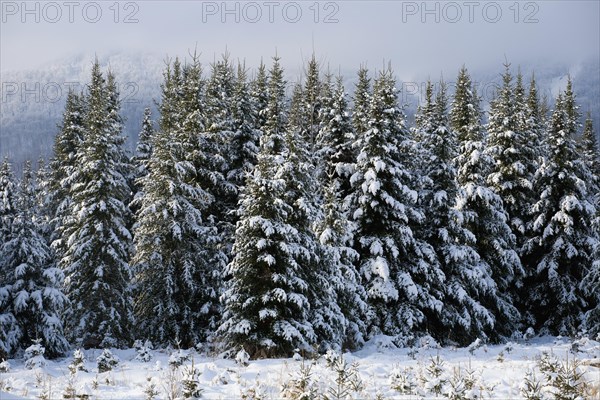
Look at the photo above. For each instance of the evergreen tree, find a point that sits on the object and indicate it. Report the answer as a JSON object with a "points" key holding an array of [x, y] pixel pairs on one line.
{"points": [[562, 248], [10, 332], [243, 146], [591, 281], [43, 198], [171, 256], [590, 151], [141, 159], [335, 140], [482, 209], [334, 229], [312, 104], [571, 109], [470, 289], [362, 100], [400, 272], [203, 142], [35, 282], [62, 166], [259, 96], [508, 145], [266, 303], [98, 241]]}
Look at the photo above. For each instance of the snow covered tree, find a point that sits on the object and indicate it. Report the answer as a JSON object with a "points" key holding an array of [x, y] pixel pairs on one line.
{"points": [[335, 140], [204, 137], [302, 191], [562, 249], [334, 229], [311, 104], [35, 282], [243, 145], [96, 255], [590, 151], [400, 272], [143, 153], [362, 99], [62, 165], [266, 303], [469, 286], [9, 330], [508, 145], [259, 96], [482, 209], [174, 293], [571, 109]]}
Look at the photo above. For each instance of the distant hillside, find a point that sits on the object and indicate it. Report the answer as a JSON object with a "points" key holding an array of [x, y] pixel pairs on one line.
{"points": [[32, 101]]}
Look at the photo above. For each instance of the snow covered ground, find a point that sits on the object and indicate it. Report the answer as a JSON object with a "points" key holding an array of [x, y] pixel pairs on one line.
{"points": [[378, 371]]}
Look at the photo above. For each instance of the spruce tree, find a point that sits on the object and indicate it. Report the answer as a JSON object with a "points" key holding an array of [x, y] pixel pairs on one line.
{"points": [[336, 138], [35, 282], [312, 104], [140, 161], [563, 242], [335, 229], [470, 289], [482, 209], [266, 300], [571, 109], [173, 297], [508, 145], [399, 271], [203, 143], [62, 165], [244, 141], [259, 96], [362, 99], [591, 282], [96, 255], [10, 332]]}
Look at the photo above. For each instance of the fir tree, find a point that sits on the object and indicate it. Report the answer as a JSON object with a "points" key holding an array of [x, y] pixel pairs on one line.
{"points": [[563, 245], [266, 303], [334, 229], [482, 209], [335, 140], [508, 145], [35, 282], [259, 96], [98, 241], [591, 281], [311, 104], [140, 161], [203, 143], [400, 272], [171, 256], [571, 109], [10, 332], [62, 166], [243, 146], [362, 99], [469, 283]]}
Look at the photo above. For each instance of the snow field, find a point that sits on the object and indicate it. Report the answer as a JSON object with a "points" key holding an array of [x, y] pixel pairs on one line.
{"points": [[498, 373]]}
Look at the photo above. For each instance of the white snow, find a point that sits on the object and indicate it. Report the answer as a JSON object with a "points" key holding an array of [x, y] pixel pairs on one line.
{"points": [[380, 369]]}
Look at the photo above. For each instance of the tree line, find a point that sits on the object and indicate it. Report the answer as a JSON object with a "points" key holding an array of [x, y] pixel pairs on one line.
{"points": [[251, 219]]}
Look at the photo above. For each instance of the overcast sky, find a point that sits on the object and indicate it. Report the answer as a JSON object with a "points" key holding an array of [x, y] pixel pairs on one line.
{"points": [[415, 36]]}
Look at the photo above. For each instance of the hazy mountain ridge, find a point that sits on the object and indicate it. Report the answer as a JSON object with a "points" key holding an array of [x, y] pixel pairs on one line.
{"points": [[32, 101]]}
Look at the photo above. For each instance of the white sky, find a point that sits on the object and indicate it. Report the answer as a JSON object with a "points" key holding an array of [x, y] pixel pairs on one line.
{"points": [[365, 32]]}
